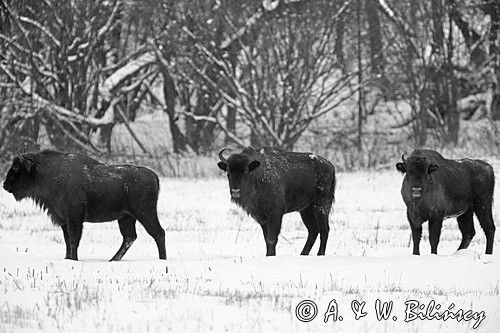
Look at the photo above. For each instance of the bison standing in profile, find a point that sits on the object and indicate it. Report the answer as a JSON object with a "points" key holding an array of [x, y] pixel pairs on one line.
{"points": [[74, 188], [435, 188], [268, 183]]}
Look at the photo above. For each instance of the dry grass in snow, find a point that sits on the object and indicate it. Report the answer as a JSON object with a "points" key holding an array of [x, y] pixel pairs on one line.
{"points": [[216, 277]]}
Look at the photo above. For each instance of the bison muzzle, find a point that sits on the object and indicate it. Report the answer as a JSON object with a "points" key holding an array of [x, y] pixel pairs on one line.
{"points": [[74, 188]]}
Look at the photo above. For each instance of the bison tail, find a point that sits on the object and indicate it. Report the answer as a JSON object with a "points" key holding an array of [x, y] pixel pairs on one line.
{"points": [[334, 184], [157, 182], [492, 183]]}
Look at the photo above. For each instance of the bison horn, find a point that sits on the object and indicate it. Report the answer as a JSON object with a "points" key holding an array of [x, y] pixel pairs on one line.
{"points": [[403, 157], [221, 157]]}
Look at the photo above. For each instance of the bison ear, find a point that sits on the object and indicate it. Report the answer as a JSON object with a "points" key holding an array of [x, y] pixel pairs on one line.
{"points": [[401, 167], [432, 168], [26, 164], [222, 166], [254, 165]]}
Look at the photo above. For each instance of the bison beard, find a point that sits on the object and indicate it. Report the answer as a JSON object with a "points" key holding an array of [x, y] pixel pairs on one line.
{"points": [[435, 188], [74, 188], [269, 183]]}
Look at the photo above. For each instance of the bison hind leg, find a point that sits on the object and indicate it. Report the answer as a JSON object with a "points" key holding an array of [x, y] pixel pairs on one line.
{"points": [[483, 210], [315, 217], [321, 213], [127, 229], [466, 226], [149, 221], [309, 220]]}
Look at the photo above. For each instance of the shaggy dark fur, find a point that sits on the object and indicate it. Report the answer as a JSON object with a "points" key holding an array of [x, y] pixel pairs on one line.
{"points": [[435, 188], [269, 183], [73, 188]]}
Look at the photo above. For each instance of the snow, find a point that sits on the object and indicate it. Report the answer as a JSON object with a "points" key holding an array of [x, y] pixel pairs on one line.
{"points": [[217, 278]]}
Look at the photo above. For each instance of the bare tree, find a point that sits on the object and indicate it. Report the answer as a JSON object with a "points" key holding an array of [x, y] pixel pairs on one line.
{"points": [[63, 59], [285, 80]]}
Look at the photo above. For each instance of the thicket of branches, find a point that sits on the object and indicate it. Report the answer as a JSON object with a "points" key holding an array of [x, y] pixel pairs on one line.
{"points": [[246, 72]]}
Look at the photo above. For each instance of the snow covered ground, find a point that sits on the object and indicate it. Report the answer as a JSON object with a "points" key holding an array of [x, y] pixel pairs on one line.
{"points": [[217, 278]]}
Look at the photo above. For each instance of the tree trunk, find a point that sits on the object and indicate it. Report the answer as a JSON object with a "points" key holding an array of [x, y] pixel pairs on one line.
{"points": [[104, 137], [108, 57], [418, 103], [376, 54], [231, 112], [27, 136], [339, 42], [205, 131], [494, 50], [179, 141], [360, 82], [444, 90], [452, 112], [471, 37], [230, 123], [255, 141]]}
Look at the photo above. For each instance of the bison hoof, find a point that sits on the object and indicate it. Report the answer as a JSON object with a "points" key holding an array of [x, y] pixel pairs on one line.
{"points": [[461, 252], [487, 258]]}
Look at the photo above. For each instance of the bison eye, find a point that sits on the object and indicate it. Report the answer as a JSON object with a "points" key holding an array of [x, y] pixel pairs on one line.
{"points": [[254, 165], [432, 168]]}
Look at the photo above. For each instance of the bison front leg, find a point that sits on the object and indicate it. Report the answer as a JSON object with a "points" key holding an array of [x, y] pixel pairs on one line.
{"points": [[273, 231], [466, 226], [64, 227], [74, 229], [127, 229], [416, 232], [435, 225], [66, 240], [74, 217]]}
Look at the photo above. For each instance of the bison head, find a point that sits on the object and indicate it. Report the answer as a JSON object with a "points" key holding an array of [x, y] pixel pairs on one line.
{"points": [[237, 167], [418, 170], [18, 176]]}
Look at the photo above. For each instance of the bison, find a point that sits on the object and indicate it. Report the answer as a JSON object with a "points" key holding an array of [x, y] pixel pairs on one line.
{"points": [[268, 183], [74, 188], [435, 188]]}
